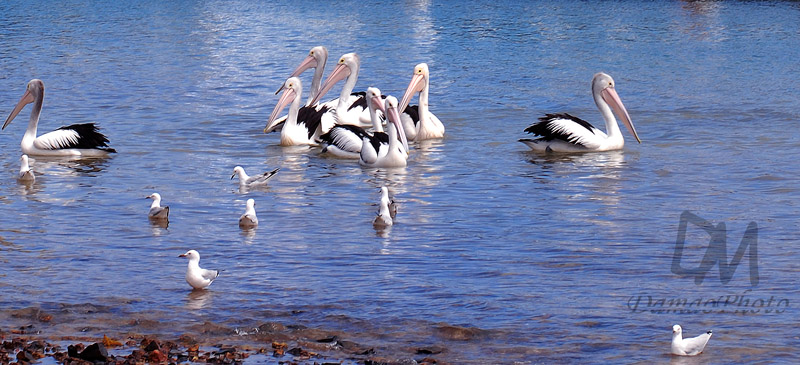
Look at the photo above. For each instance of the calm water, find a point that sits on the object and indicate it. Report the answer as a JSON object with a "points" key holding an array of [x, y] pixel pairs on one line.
{"points": [[538, 255]]}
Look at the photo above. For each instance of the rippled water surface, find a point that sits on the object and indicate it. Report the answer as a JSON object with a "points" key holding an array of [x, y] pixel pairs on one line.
{"points": [[531, 257]]}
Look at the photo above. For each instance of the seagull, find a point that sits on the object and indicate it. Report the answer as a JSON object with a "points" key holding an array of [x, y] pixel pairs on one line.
{"points": [[156, 210], [249, 219], [385, 217], [246, 180], [25, 172], [196, 277], [688, 346]]}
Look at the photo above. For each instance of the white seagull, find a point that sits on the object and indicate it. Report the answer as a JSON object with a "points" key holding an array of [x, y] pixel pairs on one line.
{"points": [[345, 141], [688, 346], [393, 153], [256, 180], [197, 277], [25, 172], [385, 216], [427, 126], [73, 140], [249, 219], [316, 58], [564, 133], [156, 210]]}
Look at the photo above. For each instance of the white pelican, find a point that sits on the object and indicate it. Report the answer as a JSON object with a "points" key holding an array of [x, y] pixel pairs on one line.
{"points": [[25, 172], [429, 126], [351, 108], [249, 219], [393, 153], [345, 141], [246, 180], [565, 133], [73, 140], [688, 346], [384, 218], [316, 58], [196, 277], [156, 210], [298, 130]]}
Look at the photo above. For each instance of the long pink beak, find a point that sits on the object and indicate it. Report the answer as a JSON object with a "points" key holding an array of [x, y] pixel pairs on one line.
{"points": [[416, 85], [394, 117], [339, 73], [286, 98], [612, 99], [307, 63], [27, 98]]}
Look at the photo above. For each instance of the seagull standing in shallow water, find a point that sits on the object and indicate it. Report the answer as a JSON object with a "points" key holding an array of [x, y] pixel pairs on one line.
{"points": [[25, 172], [688, 346], [197, 277], [246, 180], [156, 210], [249, 219]]}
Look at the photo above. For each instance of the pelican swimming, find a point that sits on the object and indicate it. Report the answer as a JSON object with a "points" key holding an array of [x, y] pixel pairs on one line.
{"points": [[156, 210], [297, 130], [384, 218], [25, 172], [246, 180], [345, 141], [393, 153], [73, 140], [316, 58], [564, 133], [197, 277], [249, 219], [429, 125]]}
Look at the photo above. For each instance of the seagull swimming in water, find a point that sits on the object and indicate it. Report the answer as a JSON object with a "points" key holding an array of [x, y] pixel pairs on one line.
{"points": [[25, 172], [385, 217], [256, 180], [197, 277], [249, 219], [688, 346], [156, 210]]}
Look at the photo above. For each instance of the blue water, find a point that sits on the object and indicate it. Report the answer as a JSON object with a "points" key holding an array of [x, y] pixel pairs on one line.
{"points": [[541, 255]]}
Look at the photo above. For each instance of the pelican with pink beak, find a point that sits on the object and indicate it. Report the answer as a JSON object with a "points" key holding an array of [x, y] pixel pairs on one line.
{"points": [[392, 153], [564, 133], [295, 131], [316, 59], [78, 140], [429, 126]]}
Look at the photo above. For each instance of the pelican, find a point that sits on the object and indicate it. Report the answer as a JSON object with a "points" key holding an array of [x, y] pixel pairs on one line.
{"points": [[249, 219], [351, 108], [73, 140], [298, 129], [393, 153], [345, 140], [384, 218], [246, 180], [688, 346], [196, 277], [316, 58], [25, 172], [564, 133], [429, 126], [156, 210]]}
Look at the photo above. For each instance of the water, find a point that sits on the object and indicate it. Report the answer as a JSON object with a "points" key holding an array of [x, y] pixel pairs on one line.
{"points": [[536, 257]]}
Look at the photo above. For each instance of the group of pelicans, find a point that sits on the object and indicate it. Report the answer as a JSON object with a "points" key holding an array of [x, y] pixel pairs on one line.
{"points": [[350, 126]]}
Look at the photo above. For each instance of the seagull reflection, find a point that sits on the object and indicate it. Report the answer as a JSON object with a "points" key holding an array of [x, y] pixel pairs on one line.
{"points": [[198, 299], [249, 235]]}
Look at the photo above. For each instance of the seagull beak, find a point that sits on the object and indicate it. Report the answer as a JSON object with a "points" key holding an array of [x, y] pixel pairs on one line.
{"points": [[416, 85], [286, 98], [612, 99], [339, 73], [307, 63], [27, 98], [182, 255], [234, 174]]}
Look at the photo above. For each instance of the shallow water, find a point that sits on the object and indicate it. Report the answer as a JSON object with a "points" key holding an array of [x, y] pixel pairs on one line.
{"points": [[541, 254]]}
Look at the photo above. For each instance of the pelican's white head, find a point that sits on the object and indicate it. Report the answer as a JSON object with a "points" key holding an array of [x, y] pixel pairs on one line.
{"points": [[419, 81], [317, 57], [605, 95], [348, 64], [292, 90], [33, 92]]}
